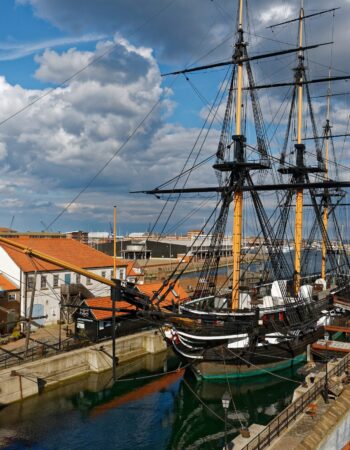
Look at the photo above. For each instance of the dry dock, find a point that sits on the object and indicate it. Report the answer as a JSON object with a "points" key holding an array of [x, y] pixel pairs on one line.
{"points": [[25, 380]]}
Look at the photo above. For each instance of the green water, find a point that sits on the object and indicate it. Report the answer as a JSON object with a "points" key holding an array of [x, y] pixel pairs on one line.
{"points": [[163, 412]]}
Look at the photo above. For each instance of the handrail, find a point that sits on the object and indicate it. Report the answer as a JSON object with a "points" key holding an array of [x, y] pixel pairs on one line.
{"points": [[280, 422]]}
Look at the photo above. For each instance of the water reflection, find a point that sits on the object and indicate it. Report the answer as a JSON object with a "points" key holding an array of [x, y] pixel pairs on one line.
{"points": [[165, 412], [199, 424]]}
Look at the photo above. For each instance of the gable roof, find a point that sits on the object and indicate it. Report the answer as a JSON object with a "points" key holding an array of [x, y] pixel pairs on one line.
{"points": [[68, 250], [6, 284], [106, 302], [148, 289], [176, 295]]}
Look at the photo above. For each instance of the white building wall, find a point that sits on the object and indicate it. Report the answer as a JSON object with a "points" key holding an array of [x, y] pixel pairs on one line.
{"points": [[46, 300]]}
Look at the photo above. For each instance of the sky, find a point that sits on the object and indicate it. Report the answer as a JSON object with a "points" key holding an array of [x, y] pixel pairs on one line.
{"points": [[85, 116]]}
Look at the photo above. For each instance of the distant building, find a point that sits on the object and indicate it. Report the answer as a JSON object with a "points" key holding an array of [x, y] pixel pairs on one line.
{"points": [[191, 234], [22, 270], [165, 248], [7, 233], [81, 236], [138, 235], [98, 237]]}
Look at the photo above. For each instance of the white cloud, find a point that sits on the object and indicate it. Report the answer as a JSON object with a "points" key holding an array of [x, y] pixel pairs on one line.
{"points": [[57, 145], [3, 150], [277, 13], [15, 50]]}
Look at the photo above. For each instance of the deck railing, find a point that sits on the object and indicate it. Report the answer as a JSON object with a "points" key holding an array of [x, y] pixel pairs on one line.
{"points": [[289, 414]]}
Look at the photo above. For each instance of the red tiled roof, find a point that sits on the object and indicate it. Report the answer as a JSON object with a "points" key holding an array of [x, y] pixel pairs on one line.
{"points": [[68, 250], [105, 302], [6, 284], [148, 289]]}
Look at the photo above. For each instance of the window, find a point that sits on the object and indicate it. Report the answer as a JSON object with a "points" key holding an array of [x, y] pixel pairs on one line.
{"points": [[88, 280], [11, 297], [43, 282], [67, 278], [103, 273], [30, 282], [121, 274], [77, 278], [55, 281]]}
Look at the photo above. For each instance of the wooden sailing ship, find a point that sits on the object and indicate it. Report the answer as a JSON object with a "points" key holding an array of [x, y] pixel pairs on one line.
{"points": [[244, 331]]}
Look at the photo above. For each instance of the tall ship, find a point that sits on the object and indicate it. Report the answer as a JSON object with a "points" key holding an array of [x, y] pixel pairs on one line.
{"points": [[244, 328]]}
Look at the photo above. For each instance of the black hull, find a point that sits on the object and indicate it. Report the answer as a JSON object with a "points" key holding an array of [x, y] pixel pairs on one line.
{"points": [[216, 360]]}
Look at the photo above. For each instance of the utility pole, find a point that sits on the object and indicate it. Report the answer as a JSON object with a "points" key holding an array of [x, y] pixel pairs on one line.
{"points": [[115, 296], [30, 314]]}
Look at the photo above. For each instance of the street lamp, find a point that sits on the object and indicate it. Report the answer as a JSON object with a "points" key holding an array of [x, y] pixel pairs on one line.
{"points": [[225, 404], [326, 338]]}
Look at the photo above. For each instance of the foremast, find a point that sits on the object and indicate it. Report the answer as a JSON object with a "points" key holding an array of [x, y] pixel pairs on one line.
{"points": [[238, 193]]}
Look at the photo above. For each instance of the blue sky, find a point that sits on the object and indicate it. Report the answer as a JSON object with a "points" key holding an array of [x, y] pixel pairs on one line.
{"points": [[21, 32], [52, 150]]}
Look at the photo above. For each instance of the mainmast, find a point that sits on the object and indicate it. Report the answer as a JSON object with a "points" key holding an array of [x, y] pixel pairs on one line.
{"points": [[238, 194], [300, 148]]}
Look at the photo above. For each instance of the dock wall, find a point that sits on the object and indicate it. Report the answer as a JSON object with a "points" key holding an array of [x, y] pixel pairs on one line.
{"points": [[332, 431], [20, 382]]}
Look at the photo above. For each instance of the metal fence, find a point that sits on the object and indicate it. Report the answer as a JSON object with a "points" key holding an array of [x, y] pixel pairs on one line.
{"points": [[36, 352], [289, 414]]}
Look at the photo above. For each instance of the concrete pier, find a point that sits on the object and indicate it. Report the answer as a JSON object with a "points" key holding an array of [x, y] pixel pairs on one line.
{"points": [[22, 381], [310, 422], [328, 429]]}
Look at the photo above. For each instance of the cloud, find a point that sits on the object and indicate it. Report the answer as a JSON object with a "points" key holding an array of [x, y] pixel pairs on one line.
{"points": [[278, 13], [56, 146], [168, 26], [3, 150], [181, 30], [11, 51]]}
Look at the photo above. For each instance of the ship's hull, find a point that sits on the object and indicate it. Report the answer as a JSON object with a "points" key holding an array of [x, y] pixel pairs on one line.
{"points": [[217, 371], [226, 360]]}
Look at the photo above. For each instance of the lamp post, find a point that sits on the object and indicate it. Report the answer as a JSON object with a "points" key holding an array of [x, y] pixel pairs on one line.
{"points": [[225, 404], [326, 338]]}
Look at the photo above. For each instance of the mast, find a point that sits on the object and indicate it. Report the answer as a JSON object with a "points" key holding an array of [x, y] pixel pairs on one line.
{"points": [[298, 230], [238, 194], [327, 129]]}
